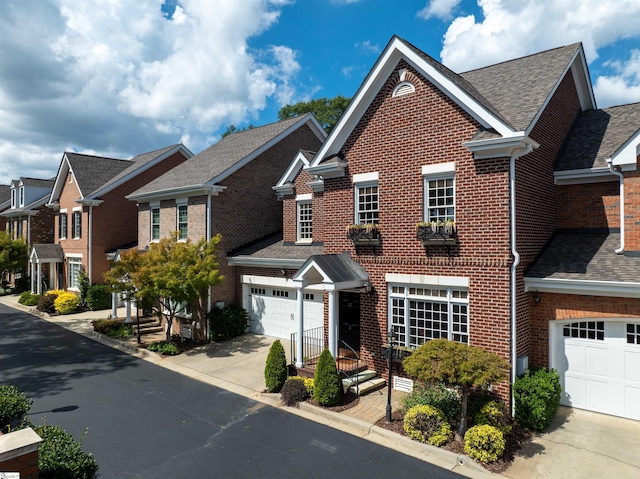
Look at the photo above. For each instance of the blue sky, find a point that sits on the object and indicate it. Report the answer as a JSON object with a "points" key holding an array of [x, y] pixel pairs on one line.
{"points": [[127, 76]]}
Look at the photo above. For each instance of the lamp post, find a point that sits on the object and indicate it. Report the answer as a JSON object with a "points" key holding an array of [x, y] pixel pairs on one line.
{"points": [[390, 338]]}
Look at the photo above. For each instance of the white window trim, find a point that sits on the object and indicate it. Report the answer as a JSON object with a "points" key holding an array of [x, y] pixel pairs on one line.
{"points": [[365, 177], [356, 204], [300, 202], [73, 223], [450, 300], [154, 240], [423, 280], [178, 206], [439, 169], [66, 226], [77, 258], [21, 196], [444, 174], [13, 197], [76, 208]]}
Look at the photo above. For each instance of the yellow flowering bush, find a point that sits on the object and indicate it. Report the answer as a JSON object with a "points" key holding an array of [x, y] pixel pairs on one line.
{"points": [[426, 423], [484, 443], [495, 414], [66, 303]]}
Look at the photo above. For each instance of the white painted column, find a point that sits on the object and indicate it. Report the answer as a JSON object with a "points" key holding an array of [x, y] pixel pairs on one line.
{"points": [[114, 305], [333, 324], [39, 287], [33, 277], [128, 318], [299, 348]]}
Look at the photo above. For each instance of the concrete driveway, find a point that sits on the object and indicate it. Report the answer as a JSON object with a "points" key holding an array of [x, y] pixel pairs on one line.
{"points": [[581, 444]]}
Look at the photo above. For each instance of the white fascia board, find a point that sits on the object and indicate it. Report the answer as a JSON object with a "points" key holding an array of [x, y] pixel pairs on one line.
{"points": [[328, 169], [265, 262], [582, 287], [299, 162], [89, 202], [317, 185], [185, 191], [384, 66], [61, 178], [309, 119], [345, 285], [274, 281], [627, 155], [499, 147], [142, 169], [585, 93], [312, 265], [586, 175]]}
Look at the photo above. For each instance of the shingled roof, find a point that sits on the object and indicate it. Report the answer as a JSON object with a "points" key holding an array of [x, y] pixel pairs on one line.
{"points": [[272, 247], [518, 88], [91, 172], [597, 135], [586, 257], [219, 157]]}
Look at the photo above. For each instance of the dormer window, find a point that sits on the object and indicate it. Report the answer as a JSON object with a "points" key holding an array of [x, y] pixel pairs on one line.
{"points": [[13, 197], [305, 218], [21, 196]]}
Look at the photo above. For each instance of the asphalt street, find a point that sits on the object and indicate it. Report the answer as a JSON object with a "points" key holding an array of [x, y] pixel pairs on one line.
{"points": [[144, 421]]}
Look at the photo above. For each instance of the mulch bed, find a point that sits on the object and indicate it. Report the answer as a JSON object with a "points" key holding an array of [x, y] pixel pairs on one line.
{"points": [[347, 401], [513, 442]]}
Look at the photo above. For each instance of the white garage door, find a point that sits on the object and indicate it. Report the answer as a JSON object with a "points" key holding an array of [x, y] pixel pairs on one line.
{"points": [[273, 310], [599, 366]]}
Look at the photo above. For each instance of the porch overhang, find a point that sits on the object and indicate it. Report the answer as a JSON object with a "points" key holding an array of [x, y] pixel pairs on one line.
{"points": [[335, 272]]}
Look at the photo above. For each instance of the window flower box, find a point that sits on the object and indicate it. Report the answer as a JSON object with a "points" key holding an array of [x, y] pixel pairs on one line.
{"points": [[437, 232], [365, 234], [400, 353]]}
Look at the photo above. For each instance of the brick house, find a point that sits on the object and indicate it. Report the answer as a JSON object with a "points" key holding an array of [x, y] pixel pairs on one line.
{"points": [[226, 189], [483, 149], [5, 204], [92, 215]]}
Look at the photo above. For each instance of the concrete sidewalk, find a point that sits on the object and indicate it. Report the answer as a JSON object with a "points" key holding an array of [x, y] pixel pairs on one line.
{"points": [[578, 444]]}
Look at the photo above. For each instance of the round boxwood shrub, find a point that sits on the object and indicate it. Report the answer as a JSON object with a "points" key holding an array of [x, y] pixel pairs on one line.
{"points": [[61, 457], [436, 395], [275, 370], [98, 297], [426, 423], [293, 391], [484, 443], [66, 303], [537, 397], [327, 386], [28, 299], [13, 405], [495, 414], [45, 303]]}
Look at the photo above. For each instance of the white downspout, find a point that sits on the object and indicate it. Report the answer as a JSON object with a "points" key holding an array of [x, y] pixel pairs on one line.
{"points": [[619, 174], [90, 262], [514, 266], [208, 236]]}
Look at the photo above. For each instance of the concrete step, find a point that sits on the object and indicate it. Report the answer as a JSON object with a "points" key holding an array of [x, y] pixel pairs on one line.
{"points": [[359, 378], [368, 386]]}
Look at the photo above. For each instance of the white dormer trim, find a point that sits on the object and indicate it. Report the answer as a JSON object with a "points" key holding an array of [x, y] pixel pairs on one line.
{"points": [[285, 185], [395, 51], [626, 157]]}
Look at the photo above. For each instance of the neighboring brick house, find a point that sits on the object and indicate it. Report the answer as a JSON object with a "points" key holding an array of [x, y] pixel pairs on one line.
{"points": [[5, 204], [226, 189], [421, 143], [92, 215], [585, 288]]}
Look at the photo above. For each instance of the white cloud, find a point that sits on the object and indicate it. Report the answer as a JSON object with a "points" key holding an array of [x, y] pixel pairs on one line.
{"points": [[368, 47], [119, 78], [442, 9], [624, 86], [512, 29]]}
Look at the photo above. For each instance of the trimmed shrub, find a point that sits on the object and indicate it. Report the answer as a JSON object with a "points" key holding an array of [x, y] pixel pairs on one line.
{"points": [[13, 405], [228, 322], [112, 328], [308, 383], [66, 303], [98, 297], [55, 292], [28, 299], [61, 457], [327, 386], [293, 391], [45, 303], [83, 286], [537, 397], [436, 395], [484, 443], [495, 414], [426, 423], [275, 370], [165, 348]]}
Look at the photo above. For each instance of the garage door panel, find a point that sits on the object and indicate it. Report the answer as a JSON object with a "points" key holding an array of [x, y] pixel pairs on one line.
{"points": [[632, 402], [632, 366], [596, 394], [596, 362], [573, 391]]}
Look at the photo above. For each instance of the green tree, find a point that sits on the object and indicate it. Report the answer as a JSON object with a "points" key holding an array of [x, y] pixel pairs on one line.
{"points": [[172, 274], [326, 110], [456, 365], [233, 129], [14, 256], [275, 369], [327, 386]]}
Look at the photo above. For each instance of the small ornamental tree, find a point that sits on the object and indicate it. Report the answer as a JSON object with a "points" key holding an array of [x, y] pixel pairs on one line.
{"points": [[327, 386], [275, 370], [456, 365], [14, 256]]}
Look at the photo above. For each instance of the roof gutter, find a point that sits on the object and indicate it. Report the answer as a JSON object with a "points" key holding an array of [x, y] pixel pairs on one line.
{"points": [[617, 172]]}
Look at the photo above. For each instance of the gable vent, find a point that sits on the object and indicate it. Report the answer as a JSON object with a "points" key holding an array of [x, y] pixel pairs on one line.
{"points": [[403, 88]]}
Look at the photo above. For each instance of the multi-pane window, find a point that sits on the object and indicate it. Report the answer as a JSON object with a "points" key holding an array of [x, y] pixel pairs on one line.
{"points": [[304, 220], [76, 224], [439, 199], [584, 330], [280, 293], [419, 314], [22, 196], [633, 333], [367, 206], [155, 224], [62, 226], [182, 222], [258, 291], [75, 265], [13, 197]]}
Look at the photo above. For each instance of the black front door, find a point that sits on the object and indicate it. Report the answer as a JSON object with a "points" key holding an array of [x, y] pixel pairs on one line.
{"points": [[350, 320]]}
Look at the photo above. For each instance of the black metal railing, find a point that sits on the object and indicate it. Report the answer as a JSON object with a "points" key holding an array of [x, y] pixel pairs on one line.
{"points": [[312, 345], [343, 358]]}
